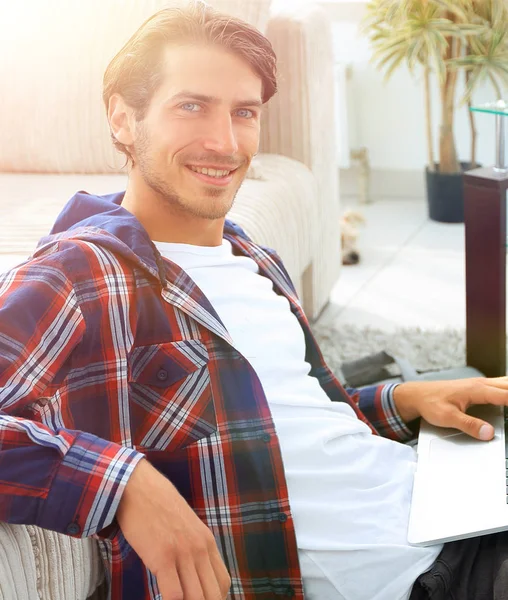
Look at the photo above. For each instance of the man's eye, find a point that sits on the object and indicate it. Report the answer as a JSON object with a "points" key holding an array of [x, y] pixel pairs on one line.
{"points": [[190, 106], [245, 113]]}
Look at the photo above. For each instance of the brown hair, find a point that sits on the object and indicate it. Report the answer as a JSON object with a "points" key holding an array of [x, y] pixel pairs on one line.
{"points": [[135, 72]]}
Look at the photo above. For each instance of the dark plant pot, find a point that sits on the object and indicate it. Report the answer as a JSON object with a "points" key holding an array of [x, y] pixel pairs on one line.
{"points": [[445, 195]]}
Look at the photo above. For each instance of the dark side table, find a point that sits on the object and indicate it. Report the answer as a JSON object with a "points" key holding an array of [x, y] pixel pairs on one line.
{"points": [[485, 223]]}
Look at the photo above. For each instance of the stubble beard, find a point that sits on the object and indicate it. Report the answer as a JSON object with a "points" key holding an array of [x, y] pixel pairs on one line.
{"points": [[214, 204]]}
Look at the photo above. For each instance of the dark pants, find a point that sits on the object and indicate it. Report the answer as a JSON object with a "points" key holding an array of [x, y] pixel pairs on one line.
{"points": [[473, 569], [101, 593]]}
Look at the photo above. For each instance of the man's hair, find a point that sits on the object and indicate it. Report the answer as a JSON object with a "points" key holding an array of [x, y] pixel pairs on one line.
{"points": [[136, 72]]}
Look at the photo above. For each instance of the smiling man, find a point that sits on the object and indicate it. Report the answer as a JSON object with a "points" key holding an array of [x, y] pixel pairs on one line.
{"points": [[160, 387], [194, 144]]}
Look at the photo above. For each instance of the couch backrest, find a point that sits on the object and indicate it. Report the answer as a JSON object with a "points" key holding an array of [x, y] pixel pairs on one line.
{"points": [[54, 53]]}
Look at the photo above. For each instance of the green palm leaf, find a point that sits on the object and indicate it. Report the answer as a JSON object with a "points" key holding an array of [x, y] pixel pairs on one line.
{"points": [[442, 37]]}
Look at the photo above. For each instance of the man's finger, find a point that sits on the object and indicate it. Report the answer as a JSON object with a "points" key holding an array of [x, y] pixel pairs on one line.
{"points": [[169, 584], [209, 581], [498, 382], [472, 426], [221, 573], [490, 394], [189, 580]]}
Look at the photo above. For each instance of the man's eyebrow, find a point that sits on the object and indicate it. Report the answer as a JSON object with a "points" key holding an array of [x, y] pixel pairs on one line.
{"points": [[187, 95]]}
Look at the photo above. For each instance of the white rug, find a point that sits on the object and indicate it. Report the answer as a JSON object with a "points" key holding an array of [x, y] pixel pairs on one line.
{"points": [[426, 350]]}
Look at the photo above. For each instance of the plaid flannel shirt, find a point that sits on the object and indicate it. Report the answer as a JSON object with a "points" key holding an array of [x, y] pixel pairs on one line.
{"points": [[108, 354]]}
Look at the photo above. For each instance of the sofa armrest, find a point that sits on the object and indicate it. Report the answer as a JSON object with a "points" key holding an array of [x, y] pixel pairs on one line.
{"points": [[299, 122]]}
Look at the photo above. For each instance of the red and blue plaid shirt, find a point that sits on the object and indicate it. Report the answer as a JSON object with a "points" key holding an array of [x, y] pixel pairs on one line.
{"points": [[109, 353]]}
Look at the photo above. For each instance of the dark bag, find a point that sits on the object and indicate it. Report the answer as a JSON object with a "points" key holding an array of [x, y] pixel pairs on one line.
{"points": [[383, 367]]}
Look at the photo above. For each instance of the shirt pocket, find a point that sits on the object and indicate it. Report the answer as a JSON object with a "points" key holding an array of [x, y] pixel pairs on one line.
{"points": [[171, 398]]}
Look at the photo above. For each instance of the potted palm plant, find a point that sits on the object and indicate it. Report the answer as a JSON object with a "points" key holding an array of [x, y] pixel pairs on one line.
{"points": [[444, 39]]}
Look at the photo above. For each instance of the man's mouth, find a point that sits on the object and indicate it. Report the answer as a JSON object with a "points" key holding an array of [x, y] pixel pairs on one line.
{"points": [[212, 175], [211, 172]]}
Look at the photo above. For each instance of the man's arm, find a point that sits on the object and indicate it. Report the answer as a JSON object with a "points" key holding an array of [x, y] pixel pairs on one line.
{"points": [[390, 408], [64, 480], [74, 482]]}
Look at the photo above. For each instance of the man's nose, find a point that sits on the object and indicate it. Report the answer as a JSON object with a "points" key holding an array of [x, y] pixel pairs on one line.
{"points": [[221, 137]]}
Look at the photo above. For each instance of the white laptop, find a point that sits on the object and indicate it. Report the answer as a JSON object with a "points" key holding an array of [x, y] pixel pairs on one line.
{"points": [[461, 485]]}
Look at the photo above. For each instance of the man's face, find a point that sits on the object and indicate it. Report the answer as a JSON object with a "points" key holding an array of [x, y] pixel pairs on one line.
{"points": [[205, 115]]}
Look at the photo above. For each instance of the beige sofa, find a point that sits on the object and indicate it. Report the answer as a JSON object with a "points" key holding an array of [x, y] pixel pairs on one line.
{"points": [[55, 141]]}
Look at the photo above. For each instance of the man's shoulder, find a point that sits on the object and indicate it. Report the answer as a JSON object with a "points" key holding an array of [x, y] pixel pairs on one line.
{"points": [[87, 247], [61, 261], [68, 255], [42, 277]]}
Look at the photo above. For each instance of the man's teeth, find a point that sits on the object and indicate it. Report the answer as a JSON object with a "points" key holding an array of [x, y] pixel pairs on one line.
{"points": [[210, 172]]}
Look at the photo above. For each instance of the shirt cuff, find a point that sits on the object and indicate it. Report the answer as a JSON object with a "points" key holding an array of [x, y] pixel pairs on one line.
{"points": [[87, 486], [393, 417]]}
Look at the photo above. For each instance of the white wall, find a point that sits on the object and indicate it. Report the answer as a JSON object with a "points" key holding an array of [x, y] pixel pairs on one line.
{"points": [[389, 118]]}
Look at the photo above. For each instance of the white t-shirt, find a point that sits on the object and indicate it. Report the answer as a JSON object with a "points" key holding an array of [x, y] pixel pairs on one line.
{"points": [[349, 490]]}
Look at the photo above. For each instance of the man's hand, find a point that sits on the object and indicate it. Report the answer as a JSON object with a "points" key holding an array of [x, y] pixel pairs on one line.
{"points": [[444, 403], [170, 539]]}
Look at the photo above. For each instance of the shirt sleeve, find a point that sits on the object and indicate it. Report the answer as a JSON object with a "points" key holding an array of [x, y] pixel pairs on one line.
{"points": [[376, 403], [65, 480]]}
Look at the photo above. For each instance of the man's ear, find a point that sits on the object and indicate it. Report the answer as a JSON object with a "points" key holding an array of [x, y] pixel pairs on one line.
{"points": [[121, 120]]}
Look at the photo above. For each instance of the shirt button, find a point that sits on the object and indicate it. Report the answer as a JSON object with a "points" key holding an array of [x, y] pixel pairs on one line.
{"points": [[162, 374], [282, 517], [73, 529], [266, 437]]}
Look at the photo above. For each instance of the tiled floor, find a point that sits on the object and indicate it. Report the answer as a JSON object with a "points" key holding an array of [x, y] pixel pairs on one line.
{"points": [[411, 274]]}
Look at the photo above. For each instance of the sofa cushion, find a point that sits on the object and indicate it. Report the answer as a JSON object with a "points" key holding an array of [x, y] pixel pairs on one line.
{"points": [[40, 564], [307, 131], [54, 55]]}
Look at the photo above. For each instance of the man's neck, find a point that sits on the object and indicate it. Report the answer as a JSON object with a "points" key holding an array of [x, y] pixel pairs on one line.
{"points": [[164, 223]]}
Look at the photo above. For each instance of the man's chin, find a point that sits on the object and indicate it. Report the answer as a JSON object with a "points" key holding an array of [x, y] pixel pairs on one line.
{"points": [[209, 208]]}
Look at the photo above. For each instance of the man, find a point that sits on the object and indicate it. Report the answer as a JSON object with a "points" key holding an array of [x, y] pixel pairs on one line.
{"points": [[160, 387]]}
